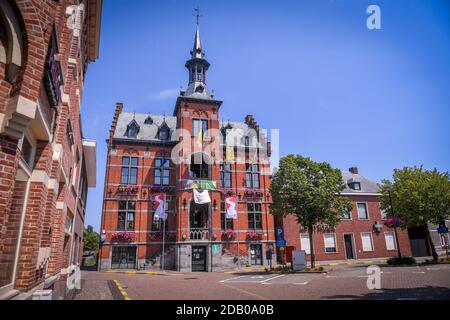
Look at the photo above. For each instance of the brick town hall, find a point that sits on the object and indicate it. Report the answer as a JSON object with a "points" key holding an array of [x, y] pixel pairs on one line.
{"points": [[209, 178]]}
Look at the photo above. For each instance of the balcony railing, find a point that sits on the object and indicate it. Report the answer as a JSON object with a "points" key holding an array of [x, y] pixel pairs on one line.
{"points": [[199, 234]]}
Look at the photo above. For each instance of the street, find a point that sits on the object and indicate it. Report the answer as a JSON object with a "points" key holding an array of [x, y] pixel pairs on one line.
{"points": [[348, 282]]}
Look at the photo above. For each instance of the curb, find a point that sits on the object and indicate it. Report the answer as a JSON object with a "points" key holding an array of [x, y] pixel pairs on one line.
{"points": [[153, 273], [121, 290]]}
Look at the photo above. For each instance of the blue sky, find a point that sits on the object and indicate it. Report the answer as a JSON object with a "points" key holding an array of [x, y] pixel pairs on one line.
{"points": [[338, 92]]}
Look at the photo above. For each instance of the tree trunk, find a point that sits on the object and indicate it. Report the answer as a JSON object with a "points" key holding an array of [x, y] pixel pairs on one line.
{"points": [[311, 247], [431, 244]]}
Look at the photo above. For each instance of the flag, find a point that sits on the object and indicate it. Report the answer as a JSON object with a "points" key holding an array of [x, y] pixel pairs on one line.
{"points": [[160, 206], [201, 197], [230, 203], [200, 136], [230, 153]]}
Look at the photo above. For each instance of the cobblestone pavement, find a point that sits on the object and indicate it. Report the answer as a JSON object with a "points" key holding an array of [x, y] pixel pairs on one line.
{"points": [[397, 283]]}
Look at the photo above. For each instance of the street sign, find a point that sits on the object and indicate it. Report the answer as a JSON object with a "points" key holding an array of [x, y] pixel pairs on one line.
{"points": [[281, 243], [280, 234]]}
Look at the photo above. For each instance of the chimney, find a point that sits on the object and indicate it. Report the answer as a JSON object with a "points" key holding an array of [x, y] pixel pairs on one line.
{"points": [[353, 170]]}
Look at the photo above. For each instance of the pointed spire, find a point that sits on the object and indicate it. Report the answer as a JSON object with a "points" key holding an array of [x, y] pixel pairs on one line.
{"points": [[197, 51]]}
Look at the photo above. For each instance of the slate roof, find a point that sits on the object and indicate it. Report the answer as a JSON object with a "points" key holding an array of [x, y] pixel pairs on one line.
{"points": [[149, 132], [367, 185]]}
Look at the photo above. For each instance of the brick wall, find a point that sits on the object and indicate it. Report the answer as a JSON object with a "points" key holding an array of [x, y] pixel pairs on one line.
{"points": [[354, 227], [50, 194]]}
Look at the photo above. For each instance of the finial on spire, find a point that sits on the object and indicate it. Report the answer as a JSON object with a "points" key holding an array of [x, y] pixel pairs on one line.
{"points": [[197, 14]]}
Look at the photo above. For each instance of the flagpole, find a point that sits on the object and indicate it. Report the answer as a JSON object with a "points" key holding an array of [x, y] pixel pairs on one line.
{"points": [[164, 229], [164, 201]]}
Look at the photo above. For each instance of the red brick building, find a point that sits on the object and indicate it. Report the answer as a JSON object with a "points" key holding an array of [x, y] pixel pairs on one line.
{"points": [[360, 235], [46, 165], [190, 150]]}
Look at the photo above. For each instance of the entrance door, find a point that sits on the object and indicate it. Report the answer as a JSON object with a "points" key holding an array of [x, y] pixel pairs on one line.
{"points": [[123, 258], [348, 239], [198, 258], [256, 254]]}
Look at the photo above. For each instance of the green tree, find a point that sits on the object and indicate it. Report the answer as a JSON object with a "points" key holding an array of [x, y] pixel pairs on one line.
{"points": [[310, 191], [418, 196], [91, 239]]}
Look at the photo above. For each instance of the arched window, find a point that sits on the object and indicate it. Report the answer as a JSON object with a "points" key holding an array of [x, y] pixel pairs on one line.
{"points": [[11, 43]]}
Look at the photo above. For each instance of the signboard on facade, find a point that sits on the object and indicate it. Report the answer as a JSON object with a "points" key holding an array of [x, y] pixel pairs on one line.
{"points": [[216, 248], [200, 184]]}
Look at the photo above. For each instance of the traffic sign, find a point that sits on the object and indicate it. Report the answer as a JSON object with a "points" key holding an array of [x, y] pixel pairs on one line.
{"points": [[281, 243]]}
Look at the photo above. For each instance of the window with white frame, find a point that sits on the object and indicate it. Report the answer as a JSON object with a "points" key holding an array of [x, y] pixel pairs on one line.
{"points": [[346, 216], [390, 240], [305, 244], [363, 214], [330, 242], [367, 243]]}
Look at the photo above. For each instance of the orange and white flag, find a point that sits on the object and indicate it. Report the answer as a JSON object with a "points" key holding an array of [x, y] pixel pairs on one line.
{"points": [[160, 206]]}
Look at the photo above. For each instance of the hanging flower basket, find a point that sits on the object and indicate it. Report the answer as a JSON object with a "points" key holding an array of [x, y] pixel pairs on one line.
{"points": [[253, 235], [228, 234], [123, 236], [393, 222]]}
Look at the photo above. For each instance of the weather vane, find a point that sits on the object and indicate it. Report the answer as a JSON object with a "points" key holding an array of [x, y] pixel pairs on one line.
{"points": [[197, 14]]}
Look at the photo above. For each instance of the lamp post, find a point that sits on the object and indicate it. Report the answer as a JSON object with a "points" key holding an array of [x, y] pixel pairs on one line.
{"points": [[389, 190]]}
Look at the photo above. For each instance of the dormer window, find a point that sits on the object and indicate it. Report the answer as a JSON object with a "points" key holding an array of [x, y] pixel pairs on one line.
{"points": [[355, 185], [132, 130], [164, 132], [149, 120]]}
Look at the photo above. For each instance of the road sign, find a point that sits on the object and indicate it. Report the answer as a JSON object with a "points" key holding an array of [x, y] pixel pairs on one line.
{"points": [[281, 243], [280, 234]]}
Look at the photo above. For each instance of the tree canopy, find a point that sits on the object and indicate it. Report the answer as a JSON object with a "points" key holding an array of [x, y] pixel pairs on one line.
{"points": [[310, 191], [90, 239], [418, 196]]}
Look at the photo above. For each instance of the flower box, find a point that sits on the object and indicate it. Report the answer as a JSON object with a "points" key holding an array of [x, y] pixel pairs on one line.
{"points": [[228, 234], [253, 235], [253, 193], [123, 236]]}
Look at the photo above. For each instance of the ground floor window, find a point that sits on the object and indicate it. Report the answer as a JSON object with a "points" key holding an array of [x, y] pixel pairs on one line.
{"points": [[123, 257], [305, 244], [256, 254], [367, 243], [330, 242], [390, 241]]}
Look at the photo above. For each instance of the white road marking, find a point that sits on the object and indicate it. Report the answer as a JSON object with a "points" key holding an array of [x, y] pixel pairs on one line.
{"points": [[419, 272], [231, 279], [331, 276], [301, 283], [281, 275]]}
